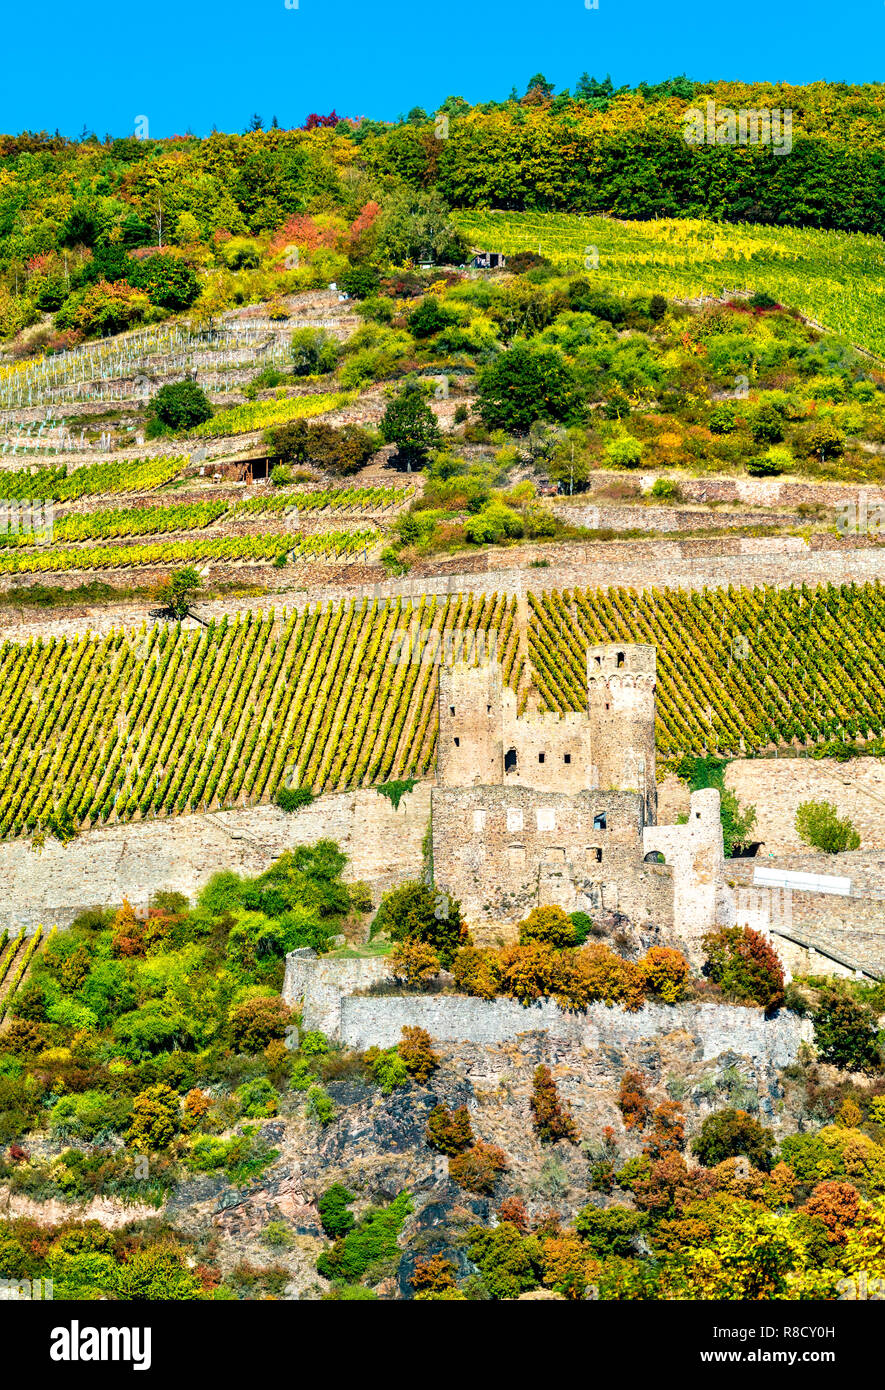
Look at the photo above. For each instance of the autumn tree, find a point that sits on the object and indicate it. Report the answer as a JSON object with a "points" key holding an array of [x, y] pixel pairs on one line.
{"points": [[552, 1117], [416, 1050], [730, 1132], [449, 1132], [414, 962], [478, 1168], [633, 1101]]}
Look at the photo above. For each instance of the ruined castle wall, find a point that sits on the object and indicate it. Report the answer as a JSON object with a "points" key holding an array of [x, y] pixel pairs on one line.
{"points": [[383, 845], [378, 1022], [776, 787], [504, 850], [695, 851], [318, 984]]}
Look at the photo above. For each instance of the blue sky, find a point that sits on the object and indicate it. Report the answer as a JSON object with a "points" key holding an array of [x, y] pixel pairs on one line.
{"points": [[197, 64]]}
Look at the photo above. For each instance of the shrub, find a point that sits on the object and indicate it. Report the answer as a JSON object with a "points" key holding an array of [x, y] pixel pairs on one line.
{"points": [[414, 962], [633, 1101], [372, 1241], [387, 1068], [583, 925], [313, 1043], [333, 1208], [508, 1260], [277, 1236], [513, 1209], [666, 973], [430, 317], [624, 451], [476, 972], [314, 351], [723, 419], [433, 1274], [845, 1032], [155, 1118], [478, 1168], [667, 1131], [320, 1106], [417, 1053], [837, 1205], [548, 925], [596, 972], [292, 798], [553, 1120], [610, 1230], [417, 912], [730, 1133], [167, 280], [258, 1098], [360, 281], [257, 1022], [822, 441], [340, 451], [24, 1038], [818, 824], [448, 1132], [745, 966], [179, 406], [766, 425], [532, 972]]}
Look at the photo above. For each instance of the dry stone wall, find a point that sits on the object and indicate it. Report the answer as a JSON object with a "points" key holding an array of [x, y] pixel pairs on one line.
{"points": [[777, 786], [378, 1022], [383, 845]]}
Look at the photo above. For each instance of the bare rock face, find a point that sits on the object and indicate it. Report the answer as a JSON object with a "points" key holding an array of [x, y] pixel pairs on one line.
{"points": [[376, 1144]]}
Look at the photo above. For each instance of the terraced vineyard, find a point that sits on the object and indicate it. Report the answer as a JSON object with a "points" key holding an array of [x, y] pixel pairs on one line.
{"points": [[93, 480], [259, 415], [836, 278], [340, 499], [165, 721], [328, 545], [737, 668], [112, 522], [159, 722]]}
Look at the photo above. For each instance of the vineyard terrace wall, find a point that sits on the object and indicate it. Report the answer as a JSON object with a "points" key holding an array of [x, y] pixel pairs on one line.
{"points": [[383, 845], [703, 563]]}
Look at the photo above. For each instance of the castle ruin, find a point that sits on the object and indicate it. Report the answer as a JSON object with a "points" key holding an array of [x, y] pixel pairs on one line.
{"points": [[542, 808]]}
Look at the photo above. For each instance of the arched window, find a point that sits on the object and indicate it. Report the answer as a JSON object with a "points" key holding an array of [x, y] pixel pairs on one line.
{"points": [[655, 857]]}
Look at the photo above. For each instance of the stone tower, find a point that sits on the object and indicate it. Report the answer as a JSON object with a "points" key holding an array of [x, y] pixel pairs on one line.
{"points": [[621, 679], [470, 749]]}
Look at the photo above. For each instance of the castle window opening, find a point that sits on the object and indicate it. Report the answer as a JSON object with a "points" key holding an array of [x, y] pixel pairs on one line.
{"points": [[620, 658], [567, 758], [451, 709], [510, 760], [654, 857], [594, 854], [457, 743], [598, 660], [599, 821], [607, 705], [540, 757]]}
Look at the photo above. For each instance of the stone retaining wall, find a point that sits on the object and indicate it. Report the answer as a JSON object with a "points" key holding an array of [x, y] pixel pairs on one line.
{"points": [[378, 1022], [136, 860]]}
